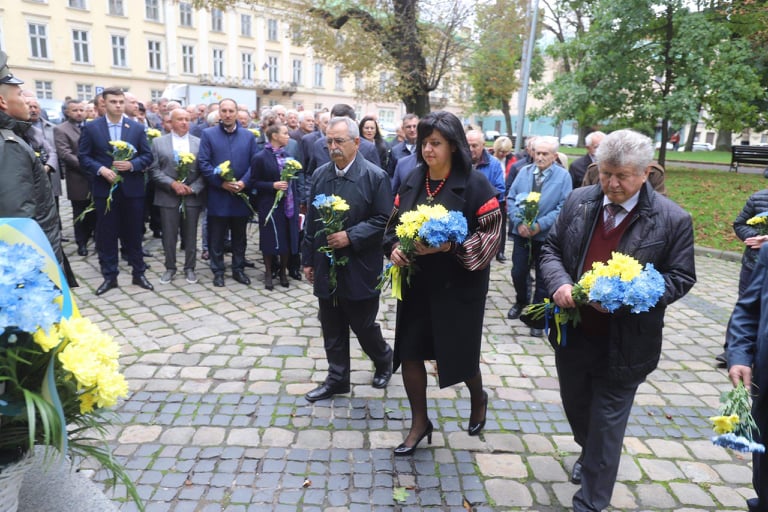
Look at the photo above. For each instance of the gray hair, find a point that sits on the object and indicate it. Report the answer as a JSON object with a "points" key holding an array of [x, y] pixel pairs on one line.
{"points": [[589, 138], [352, 128], [549, 140], [625, 148]]}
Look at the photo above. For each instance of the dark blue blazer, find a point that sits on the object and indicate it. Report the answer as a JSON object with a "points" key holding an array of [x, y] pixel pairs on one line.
{"points": [[399, 151], [94, 152]]}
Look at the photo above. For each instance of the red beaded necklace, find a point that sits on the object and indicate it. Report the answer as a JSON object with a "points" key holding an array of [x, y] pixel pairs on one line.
{"points": [[431, 195]]}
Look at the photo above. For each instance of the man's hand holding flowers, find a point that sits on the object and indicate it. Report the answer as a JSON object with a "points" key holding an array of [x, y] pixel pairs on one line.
{"points": [[231, 184]]}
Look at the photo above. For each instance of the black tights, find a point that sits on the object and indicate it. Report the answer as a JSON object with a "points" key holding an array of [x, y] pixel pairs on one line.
{"points": [[415, 381]]}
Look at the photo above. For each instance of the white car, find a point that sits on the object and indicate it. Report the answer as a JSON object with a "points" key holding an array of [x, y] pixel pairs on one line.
{"points": [[700, 146], [570, 140], [491, 135], [670, 146]]}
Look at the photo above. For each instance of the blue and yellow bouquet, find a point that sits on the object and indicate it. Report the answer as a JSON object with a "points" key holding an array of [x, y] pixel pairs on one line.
{"points": [[289, 173], [759, 222], [58, 371], [121, 152], [225, 172], [528, 210], [184, 162], [331, 209], [152, 134], [735, 424], [620, 282], [430, 225]]}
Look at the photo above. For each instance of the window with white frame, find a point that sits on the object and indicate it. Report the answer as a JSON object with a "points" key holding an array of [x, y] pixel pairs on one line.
{"points": [[152, 10], [154, 54], [80, 48], [318, 106], [245, 25], [155, 94], [185, 14], [116, 8], [297, 71], [386, 116], [77, 4], [272, 67], [84, 92], [187, 59], [339, 70], [44, 89], [217, 20], [246, 62], [38, 41], [119, 51], [318, 81], [359, 81], [218, 63], [272, 29]]}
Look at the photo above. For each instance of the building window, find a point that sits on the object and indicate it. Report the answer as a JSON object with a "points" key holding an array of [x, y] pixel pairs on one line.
{"points": [[77, 4], [218, 63], [245, 25], [153, 50], [80, 44], [384, 79], [359, 81], [116, 8], [188, 58], [272, 29], [152, 9], [296, 77], [217, 20], [246, 59], [155, 94], [339, 78], [318, 75], [84, 92], [185, 14], [386, 116], [318, 107], [274, 73], [44, 89], [38, 41], [119, 58]]}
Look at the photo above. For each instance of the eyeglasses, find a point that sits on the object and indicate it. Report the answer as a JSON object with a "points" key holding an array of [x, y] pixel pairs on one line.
{"points": [[338, 141]]}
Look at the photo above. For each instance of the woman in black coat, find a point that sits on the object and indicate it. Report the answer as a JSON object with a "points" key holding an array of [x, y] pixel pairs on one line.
{"points": [[441, 314], [369, 130], [279, 235]]}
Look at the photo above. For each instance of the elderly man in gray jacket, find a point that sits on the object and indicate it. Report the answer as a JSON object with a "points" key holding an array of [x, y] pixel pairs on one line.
{"points": [[179, 198]]}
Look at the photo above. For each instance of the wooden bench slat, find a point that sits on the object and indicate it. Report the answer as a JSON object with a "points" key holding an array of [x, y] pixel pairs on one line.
{"points": [[748, 155]]}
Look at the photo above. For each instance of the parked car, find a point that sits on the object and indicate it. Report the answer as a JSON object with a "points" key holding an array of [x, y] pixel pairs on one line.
{"points": [[53, 109], [670, 146], [571, 140], [699, 146], [492, 135]]}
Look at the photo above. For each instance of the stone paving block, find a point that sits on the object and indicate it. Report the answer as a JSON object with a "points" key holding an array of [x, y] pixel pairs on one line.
{"points": [[277, 437], [691, 494], [660, 470], [546, 469], [734, 473], [501, 465], [668, 449], [140, 434], [506, 493], [208, 436], [622, 498]]}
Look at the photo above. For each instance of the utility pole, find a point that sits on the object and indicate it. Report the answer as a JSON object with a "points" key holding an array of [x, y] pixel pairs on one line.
{"points": [[533, 14]]}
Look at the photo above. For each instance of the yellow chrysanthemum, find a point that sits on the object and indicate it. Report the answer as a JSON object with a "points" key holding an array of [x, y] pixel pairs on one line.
{"points": [[153, 133], [186, 158], [724, 424], [339, 204], [119, 144], [87, 402], [757, 220], [533, 197], [626, 267], [47, 341]]}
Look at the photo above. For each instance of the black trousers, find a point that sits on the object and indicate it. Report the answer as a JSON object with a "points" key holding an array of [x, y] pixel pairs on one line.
{"points": [[85, 228], [217, 234], [336, 321], [597, 409]]}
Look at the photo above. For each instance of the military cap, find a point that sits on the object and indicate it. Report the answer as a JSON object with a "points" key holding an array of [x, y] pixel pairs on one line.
{"points": [[6, 77]]}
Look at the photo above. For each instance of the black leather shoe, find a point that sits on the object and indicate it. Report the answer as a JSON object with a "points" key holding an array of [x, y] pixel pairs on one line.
{"points": [[240, 277], [107, 285], [515, 311], [402, 449], [722, 360], [82, 250], [382, 375], [326, 391], [537, 333], [576, 471], [501, 258], [475, 428], [146, 253], [295, 274], [218, 280], [249, 264], [142, 282]]}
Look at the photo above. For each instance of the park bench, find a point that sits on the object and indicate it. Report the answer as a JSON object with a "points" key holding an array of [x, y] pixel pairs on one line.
{"points": [[748, 155]]}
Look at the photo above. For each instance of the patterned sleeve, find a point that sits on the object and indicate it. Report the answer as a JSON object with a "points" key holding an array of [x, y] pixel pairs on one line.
{"points": [[480, 247]]}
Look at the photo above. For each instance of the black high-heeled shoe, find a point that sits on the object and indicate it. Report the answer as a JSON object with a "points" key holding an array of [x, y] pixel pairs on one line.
{"points": [[403, 450], [475, 428]]}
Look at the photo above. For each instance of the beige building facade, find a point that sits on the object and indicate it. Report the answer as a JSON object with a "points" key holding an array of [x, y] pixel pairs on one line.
{"points": [[75, 48]]}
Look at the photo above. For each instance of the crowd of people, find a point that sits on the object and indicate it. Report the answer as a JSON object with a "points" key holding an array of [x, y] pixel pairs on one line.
{"points": [[132, 169]]}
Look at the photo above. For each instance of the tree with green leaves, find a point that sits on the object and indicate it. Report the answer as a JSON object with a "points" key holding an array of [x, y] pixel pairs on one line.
{"points": [[495, 57]]}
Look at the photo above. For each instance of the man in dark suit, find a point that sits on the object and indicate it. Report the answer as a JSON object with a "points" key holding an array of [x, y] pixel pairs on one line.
{"points": [[408, 146], [355, 300], [124, 217], [67, 136], [170, 191], [579, 166]]}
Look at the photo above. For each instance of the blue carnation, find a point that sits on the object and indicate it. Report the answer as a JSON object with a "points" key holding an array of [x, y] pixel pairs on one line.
{"points": [[448, 228], [738, 443], [608, 292], [321, 200], [644, 291]]}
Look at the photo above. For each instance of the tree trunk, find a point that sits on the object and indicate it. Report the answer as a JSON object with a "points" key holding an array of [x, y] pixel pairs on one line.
{"points": [[507, 119], [724, 140], [583, 132], [664, 139]]}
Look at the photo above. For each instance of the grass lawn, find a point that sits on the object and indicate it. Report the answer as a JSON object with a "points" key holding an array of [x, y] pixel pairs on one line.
{"points": [[714, 199]]}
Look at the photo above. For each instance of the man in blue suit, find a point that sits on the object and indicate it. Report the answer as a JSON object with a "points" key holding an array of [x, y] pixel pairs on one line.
{"points": [[124, 217]]}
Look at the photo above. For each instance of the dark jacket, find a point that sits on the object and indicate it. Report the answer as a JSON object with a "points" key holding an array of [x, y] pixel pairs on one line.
{"points": [[366, 189], [660, 233], [94, 152], [757, 203], [398, 151], [216, 147], [66, 136], [25, 190], [578, 169]]}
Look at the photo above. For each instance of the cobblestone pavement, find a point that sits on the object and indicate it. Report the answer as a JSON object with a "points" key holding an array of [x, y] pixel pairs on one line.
{"points": [[217, 420]]}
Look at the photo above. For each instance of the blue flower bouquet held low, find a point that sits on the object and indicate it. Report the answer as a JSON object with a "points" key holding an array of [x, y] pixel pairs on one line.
{"points": [[332, 216], [735, 425]]}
